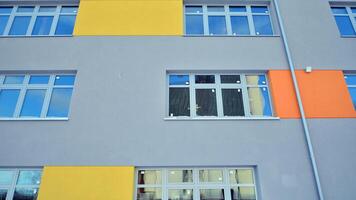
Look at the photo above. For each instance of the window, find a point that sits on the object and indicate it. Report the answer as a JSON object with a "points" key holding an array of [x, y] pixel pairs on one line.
{"points": [[196, 184], [19, 184], [218, 95], [345, 18], [227, 20], [35, 95], [351, 84], [37, 20]]}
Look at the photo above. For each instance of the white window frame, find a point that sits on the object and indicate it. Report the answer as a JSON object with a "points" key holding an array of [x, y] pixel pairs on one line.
{"points": [[12, 187], [227, 14], [26, 86], [350, 14], [34, 14], [219, 102], [196, 185]]}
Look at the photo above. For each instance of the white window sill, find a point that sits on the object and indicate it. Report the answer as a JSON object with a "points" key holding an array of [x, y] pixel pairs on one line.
{"points": [[218, 118], [35, 119]]}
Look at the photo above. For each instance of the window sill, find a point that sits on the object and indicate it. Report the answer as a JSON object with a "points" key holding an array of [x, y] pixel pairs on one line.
{"points": [[34, 36], [218, 118], [231, 36], [348, 36], [36, 119]]}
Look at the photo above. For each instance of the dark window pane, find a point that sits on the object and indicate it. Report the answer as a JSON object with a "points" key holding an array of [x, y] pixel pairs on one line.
{"points": [[179, 102], [20, 25], [5, 10], [43, 25], [232, 102], [230, 79], [259, 101], [194, 24], [204, 79], [262, 25], [237, 9], [8, 101], [60, 102], [259, 9], [345, 25], [212, 194], [33, 103], [3, 193], [178, 79], [25, 9], [339, 10], [217, 25], [216, 9], [206, 102], [350, 79], [239, 25], [40, 79], [47, 9], [65, 25], [353, 96], [69, 9], [14, 79], [193, 9], [64, 80], [25, 194], [3, 23], [243, 193]]}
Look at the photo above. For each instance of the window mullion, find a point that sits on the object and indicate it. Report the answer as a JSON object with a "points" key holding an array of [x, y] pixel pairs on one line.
{"points": [[55, 20], [228, 20], [219, 102], [10, 21], [48, 95], [32, 21], [250, 20], [12, 188], [245, 97], [205, 20], [226, 184], [352, 18], [193, 104], [21, 97]]}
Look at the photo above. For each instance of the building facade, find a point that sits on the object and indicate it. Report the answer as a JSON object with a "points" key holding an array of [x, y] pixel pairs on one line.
{"points": [[173, 99]]}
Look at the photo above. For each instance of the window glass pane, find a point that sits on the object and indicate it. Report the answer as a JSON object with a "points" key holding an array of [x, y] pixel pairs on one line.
{"points": [[204, 79], [256, 80], [237, 8], [20, 25], [353, 96], [3, 23], [345, 25], [353, 9], [350, 79], [180, 194], [25, 194], [262, 25], [212, 194], [14, 79], [234, 79], [259, 101], [33, 103], [64, 80], [42, 25], [206, 102], [25, 9], [339, 10], [5, 10], [239, 25], [193, 9], [180, 176], [216, 9], [8, 101], [29, 177], [194, 24], [149, 177], [6, 177], [179, 102], [178, 79], [241, 176], [69, 9], [149, 194], [232, 102], [47, 9], [211, 175], [65, 25], [259, 9], [243, 193], [3, 193], [217, 25], [40, 79], [60, 102]]}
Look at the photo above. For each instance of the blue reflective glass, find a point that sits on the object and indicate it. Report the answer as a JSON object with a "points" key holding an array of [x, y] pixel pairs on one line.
{"points": [[216, 9], [3, 22], [33, 103], [194, 24], [217, 25], [6, 177], [339, 10], [14, 79], [8, 101], [350, 79], [256, 80], [178, 79], [69, 9], [267, 111], [259, 9], [25, 9], [64, 80], [353, 96], [43, 25], [60, 101], [237, 8], [29, 177], [47, 9], [262, 25], [20, 25], [353, 9], [345, 25], [259, 101], [193, 9], [40, 79], [5, 9], [239, 25], [65, 25]]}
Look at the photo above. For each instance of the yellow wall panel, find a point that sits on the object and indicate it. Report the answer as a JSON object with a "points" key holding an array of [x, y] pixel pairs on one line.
{"points": [[130, 17], [87, 183]]}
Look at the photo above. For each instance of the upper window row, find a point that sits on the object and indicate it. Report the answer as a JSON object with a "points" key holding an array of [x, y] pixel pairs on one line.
{"points": [[351, 85], [345, 18], [37, 20]]}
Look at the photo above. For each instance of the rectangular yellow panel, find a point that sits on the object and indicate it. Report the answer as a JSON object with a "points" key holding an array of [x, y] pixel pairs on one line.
{"points": [[87, 183], [129, 17]]}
